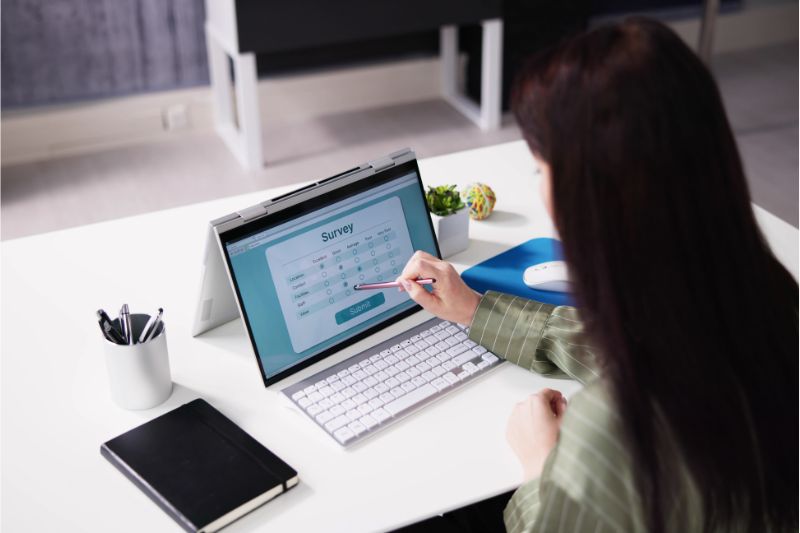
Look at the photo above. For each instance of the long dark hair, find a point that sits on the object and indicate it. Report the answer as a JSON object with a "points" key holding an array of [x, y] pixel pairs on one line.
{"points": [[696, 318]]}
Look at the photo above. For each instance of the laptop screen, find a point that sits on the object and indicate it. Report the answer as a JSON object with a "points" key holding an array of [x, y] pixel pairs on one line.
{"points": [[295, 277]]}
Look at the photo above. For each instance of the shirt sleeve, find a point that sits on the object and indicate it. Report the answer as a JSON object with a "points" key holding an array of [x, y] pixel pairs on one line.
{"points": [[535, 509], [539, 337]]}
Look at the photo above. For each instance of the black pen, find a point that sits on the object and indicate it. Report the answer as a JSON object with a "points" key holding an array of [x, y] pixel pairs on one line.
{"points": [[108, 329], [125, 323]]}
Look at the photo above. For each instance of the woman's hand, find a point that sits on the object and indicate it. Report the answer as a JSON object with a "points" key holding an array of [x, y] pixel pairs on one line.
{"points": [[533, 429], [450, 299]]}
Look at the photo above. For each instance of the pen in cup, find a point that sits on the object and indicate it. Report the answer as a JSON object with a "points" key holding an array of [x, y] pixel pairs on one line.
{"points": [[109, 331], [151, 327], [125, 324], [390, 284]]}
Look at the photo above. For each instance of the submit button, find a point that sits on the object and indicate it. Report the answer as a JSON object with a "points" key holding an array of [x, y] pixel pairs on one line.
{"points": [[360, 308]]}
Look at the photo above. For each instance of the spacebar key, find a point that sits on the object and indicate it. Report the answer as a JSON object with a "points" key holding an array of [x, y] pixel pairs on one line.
{"points": [[412, 398]]}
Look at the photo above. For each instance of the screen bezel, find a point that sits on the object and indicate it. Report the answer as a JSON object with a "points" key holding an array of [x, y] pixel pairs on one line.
{"points": [[303, 208]]}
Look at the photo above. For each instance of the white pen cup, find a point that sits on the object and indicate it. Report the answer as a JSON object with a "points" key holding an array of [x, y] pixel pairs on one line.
{"points": [[138, 374]]}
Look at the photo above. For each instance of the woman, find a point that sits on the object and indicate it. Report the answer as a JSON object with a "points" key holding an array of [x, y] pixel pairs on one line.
{"points": [[686, 328]]}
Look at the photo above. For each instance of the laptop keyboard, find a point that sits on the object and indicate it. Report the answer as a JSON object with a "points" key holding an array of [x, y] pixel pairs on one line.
{"points": [[369, 391]]}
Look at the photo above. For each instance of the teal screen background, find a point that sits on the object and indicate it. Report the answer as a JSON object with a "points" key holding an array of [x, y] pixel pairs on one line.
{"points": [[260, 300]]}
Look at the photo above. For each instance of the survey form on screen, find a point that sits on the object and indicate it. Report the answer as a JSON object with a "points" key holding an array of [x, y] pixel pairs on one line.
{"points": [[314, 272]]}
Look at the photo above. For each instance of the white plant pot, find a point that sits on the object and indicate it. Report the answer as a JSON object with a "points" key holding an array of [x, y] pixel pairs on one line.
{"points": [[452, 232]]}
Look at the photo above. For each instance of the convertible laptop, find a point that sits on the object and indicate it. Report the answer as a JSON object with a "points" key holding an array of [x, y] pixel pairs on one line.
{"points": [[288, 267]]}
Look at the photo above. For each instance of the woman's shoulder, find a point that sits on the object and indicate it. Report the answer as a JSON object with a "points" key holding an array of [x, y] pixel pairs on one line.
{"points": [[591, 462]]}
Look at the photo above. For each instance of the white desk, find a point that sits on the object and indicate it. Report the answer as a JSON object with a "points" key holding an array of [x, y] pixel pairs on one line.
{"points": [[56, 409]]}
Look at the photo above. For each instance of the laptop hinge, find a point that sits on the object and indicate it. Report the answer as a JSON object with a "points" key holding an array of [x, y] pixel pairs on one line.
{"points": [[250, 213], [382, 163]]}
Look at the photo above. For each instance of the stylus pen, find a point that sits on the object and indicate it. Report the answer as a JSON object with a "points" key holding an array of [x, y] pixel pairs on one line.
{"points": [[390, 284], [151, 326], [125, 323]]}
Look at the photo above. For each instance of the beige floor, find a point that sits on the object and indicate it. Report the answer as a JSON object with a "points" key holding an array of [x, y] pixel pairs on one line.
{"points": [[760, 89]]}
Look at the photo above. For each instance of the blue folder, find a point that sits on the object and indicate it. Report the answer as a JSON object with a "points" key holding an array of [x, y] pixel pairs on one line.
{"points": [[503, 272]]}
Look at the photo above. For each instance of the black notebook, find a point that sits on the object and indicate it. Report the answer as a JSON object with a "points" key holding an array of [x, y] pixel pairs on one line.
{"points": [[199, 467]]}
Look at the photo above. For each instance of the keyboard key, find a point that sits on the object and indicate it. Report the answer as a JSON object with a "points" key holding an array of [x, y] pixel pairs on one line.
{"points": [[461, 336], [439, 371], [411, 350], [480, 350], [343, 373], [391, 382], [326, 391], [432, 350], [444, 323], [483, 364], [381, 376], [370, 381], [370, 369], [337, 410], [462, 374], [368, 422], [348, 392], [370, 393], [313, 409], [448, 365], [415, 338], [332, 378], [440, 383], [395, 348], [422, 344], [304, 402], [386, 397], [464, 357], [442, 346], [359, 399], [337, 398], [402, 377], [391, 359], [452, 330], [412, 360], [457, 349], [434, 329], [451, 378], [337, 422], [348, 380], [408, 386], [428, 376], [470, 367], [444, 356], [413, 372], [410, 399], [452, 341], [320, 384], [405, 343], [423, 367], [402, 365], [359, 386], [376, 403], [348, 404], [381, 414], [488, 356], [344, 435], [397, 392], [391, 371], [353, 368], [297, 395], [308, 390], [442, 335], [381, 365], [324, 416], [418, 381], [365, 363], [470, 343], [384, 353], [365, 408], [325, 403], [337, 386], [359, 374], [425, 333], [353, 414], [381, 388], [377, 357], [357, 427]]}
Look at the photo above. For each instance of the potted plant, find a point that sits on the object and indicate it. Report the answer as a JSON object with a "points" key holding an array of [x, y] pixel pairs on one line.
{"points": [[450, 219]]}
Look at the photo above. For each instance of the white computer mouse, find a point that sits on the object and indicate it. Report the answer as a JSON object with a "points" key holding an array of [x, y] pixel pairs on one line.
{"points": [[549, 276]]}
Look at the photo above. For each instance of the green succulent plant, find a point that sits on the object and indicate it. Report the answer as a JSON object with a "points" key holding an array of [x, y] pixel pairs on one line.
{"points": [[443, 200]]}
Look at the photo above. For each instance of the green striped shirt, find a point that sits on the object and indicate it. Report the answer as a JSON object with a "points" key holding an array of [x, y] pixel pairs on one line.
{"points": [[587, 483]]}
